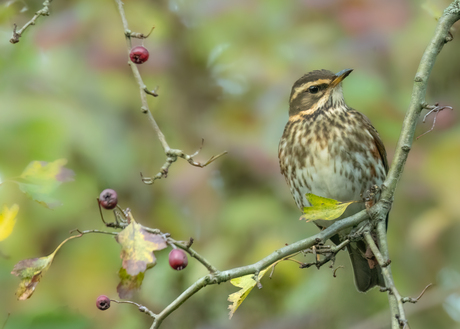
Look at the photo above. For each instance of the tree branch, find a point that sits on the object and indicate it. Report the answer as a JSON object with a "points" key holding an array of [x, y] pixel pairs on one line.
{"points": [[441, 36], [396, 303], [379, 212], [224, 276], [171, 154], [45, 11]]}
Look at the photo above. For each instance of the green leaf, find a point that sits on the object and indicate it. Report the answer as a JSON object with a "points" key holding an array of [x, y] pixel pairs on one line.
{"points": [[31, 270], [40, 179], [323, 208], [7, 220], [137, 247], [246, 283]]}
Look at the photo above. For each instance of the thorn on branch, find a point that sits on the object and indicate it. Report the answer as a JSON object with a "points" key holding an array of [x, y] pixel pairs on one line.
{"points": [[436, 109]]}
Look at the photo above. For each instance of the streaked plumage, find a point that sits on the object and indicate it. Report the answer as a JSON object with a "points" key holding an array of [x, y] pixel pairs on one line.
{"points": [[332, 150]]}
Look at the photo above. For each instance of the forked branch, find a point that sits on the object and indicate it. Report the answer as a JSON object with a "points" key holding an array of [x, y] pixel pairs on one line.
{"points": [[171, 154]]}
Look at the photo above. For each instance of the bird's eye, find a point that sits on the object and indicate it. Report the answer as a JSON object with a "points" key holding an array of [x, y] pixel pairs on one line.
{"points": [[313, 89]]}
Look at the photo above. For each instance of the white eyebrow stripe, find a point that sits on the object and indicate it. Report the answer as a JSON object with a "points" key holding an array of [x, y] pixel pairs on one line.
{"points": [[307, 85]]}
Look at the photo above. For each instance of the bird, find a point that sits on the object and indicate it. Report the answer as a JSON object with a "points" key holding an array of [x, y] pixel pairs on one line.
{"points": [[333, 151]]}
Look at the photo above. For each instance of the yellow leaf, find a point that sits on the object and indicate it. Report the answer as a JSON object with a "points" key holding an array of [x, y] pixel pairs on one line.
{"points": [[7, 220], [31, 270], [137, 247], [324, 208], [246, 283]]}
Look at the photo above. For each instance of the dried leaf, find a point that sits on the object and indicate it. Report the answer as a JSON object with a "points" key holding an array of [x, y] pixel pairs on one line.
{"points": [[31, 270], [40, 179], [7, 220], [246, 283], [323, 208], [137, 247]]}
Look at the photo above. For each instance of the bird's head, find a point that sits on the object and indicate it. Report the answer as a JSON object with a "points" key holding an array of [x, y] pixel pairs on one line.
{"points": [[315, 90]]}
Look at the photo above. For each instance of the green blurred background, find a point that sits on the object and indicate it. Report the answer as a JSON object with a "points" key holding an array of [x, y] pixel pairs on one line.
{"points": [[225, 70]]}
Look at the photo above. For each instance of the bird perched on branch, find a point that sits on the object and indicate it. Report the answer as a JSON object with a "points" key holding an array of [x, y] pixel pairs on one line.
{"points": [[331, 150]]}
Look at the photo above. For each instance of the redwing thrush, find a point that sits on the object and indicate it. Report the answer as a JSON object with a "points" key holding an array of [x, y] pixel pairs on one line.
{"points": [[333, 151]]}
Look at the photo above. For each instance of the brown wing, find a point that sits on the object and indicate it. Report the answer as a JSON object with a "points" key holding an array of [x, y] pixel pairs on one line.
{"points": [[378, 141]]}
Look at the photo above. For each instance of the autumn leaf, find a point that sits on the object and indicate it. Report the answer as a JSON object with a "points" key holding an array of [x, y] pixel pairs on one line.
{"points": [[323, 208], [128, 283], [137, 247], [40, 179], [246, 283], [31, 270], [7, 220]]}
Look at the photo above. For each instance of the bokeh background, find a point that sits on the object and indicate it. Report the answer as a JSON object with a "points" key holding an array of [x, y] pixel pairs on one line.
{"points": [[225, 70]]}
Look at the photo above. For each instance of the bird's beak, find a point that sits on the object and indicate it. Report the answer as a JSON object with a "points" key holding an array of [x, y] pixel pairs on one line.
{"points": [[340, 76]]}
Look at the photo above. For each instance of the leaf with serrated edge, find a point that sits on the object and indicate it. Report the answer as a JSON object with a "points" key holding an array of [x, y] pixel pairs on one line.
{"points": [[323, 208], [246, 283], [137, 247], [7, 220], [41, 178], [31, 270]]}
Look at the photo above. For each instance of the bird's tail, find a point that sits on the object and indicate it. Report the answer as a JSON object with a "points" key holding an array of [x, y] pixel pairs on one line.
{"points": [[368, 273]]}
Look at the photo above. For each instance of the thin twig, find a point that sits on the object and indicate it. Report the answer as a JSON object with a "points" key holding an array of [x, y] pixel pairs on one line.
{"points": [[45, 11], [335, 271], [436, 109], [91, 231], [137, 35], [278, 255], [329, 252], [142, 308], [400, 316], [171, 154], [415, 300], [6, 320], [194, 254]]}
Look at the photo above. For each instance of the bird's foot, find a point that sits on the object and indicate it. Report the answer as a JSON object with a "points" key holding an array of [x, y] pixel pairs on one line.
{"points": [[369, 196]]}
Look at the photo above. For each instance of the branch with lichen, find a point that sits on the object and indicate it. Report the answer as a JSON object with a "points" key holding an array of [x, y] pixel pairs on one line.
{"points": [[171, 154], [45, 11]]}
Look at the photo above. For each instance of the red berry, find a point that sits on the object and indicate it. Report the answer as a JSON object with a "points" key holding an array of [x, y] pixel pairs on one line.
{"points": [[108, 199], [139, 55], [178, 259], [102, 302]]}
